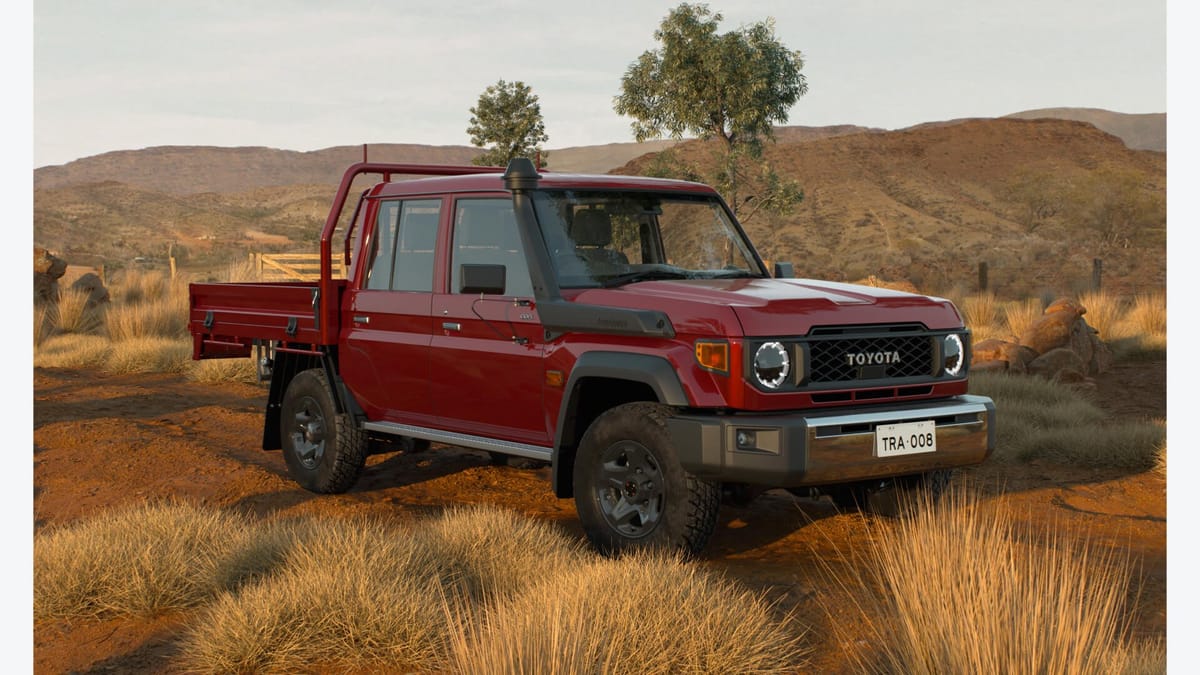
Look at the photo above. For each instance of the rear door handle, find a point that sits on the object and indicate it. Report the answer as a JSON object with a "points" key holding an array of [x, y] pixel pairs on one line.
{"points": [[451, 325], [362, 319]]}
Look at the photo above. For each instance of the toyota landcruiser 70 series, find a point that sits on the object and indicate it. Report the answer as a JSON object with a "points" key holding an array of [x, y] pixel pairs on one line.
{"points": [[621, 329]]}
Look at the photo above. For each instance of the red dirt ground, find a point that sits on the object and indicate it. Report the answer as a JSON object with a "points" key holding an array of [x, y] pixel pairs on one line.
{"points": [[101, 441]]}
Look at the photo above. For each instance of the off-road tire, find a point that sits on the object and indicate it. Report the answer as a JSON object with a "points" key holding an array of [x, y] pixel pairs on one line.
{"points": [[324, 451], [632, 493]]}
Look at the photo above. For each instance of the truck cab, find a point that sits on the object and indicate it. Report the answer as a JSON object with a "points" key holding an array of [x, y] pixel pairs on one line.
{"points": [[622, 329]]}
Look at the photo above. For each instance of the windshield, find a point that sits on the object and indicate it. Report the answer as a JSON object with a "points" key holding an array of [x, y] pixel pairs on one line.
{"points": [[614, 238]]}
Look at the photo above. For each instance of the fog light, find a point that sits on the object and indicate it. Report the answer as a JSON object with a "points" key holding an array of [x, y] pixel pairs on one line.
{"points": [[746, 440]]}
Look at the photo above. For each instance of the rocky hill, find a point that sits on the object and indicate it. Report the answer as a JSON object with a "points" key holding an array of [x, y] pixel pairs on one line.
{"points": [[927, 204]]}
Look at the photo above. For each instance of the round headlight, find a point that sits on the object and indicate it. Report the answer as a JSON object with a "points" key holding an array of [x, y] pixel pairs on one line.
{"points": [[952, 355], [771, 365]]}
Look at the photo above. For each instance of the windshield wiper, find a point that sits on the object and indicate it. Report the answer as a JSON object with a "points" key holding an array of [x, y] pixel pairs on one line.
{"points": [[645, 275]]}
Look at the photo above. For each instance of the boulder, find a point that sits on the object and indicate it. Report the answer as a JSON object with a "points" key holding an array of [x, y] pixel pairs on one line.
{"points": [[1016, 357], [91, 284], [995, 366], [1102, 356], [1051, 331], [47, 270]]}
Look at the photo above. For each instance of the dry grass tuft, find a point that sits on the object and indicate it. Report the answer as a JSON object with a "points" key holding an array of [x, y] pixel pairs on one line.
{"points": [[72, 313], [492, 553], [216, 371], [959, 590], [43, 323], [149, 355], [344, 595], [981, 312], [1037, 418], [1104, 313], [1020, 316], [649, 613], [163, 316], [72, 351], [141, 559], [137, 286]]}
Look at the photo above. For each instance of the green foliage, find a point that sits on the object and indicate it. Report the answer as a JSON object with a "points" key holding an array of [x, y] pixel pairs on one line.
{"points": [[730, 86], [509, 118]]}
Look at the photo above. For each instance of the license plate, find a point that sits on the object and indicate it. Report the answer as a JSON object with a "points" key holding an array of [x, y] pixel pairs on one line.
{"points": [[909, 438]]}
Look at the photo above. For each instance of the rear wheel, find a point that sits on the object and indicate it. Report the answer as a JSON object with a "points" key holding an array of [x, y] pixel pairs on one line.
{"points": [[325, 451], [631, 491]]}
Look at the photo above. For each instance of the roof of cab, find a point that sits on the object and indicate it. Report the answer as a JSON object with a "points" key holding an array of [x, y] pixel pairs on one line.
{"points": [[494, 182]]}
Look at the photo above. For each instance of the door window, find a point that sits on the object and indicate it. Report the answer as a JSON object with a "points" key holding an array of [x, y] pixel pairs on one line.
{"points": [[403, 251], [485, 233]]}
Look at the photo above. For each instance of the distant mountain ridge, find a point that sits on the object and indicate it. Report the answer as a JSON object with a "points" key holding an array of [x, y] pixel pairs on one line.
{"points": [[182, 170], [926, 204]]}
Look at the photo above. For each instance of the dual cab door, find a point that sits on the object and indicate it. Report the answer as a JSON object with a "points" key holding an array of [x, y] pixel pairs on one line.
{"points": [[416, 351]]}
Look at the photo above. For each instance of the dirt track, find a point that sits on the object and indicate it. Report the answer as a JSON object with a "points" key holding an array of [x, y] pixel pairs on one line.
{"points": [[100, 441]]}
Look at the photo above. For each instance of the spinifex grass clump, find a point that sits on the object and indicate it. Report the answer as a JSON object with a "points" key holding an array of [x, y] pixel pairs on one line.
{"points": [[957, 589], [346, 594], [645, 613], [142, 559], [1037, 418]]}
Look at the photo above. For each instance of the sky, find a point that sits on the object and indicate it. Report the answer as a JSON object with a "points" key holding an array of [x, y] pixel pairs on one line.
{"points": [[299, 75]]}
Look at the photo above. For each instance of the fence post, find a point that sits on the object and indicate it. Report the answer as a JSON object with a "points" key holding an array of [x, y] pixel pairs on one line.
{"points": [[983, 280], [1097, 268]]}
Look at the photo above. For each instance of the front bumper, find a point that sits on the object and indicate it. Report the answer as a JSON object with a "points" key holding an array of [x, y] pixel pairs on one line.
{"points": [[830, 446]]}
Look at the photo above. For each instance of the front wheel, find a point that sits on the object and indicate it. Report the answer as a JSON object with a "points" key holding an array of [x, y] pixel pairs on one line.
{"points": [[631, 492], [325, 451]]}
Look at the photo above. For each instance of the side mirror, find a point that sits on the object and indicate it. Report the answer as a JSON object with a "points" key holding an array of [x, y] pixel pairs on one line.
{"points": [[783, 270], [485, 279]]}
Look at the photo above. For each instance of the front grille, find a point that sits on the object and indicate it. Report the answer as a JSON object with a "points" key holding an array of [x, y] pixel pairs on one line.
{"points": [[874, 357]]}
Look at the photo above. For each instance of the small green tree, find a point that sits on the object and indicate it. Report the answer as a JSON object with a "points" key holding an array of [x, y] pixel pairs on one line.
{"points": [[509, 118], [732, 87]]}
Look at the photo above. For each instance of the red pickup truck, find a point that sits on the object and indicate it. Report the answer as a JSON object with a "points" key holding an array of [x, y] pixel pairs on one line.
{"points": [[622, 329]]}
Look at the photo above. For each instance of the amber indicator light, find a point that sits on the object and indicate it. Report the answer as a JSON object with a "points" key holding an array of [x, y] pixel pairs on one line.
{"points": [[554, 378], [713, 356]]}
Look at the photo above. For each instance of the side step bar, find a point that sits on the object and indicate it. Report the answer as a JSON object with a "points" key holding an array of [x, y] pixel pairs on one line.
{"points": [[462, 440]]}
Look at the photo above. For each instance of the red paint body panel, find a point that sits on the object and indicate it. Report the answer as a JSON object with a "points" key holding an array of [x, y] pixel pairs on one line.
{"points": [[478, 366]]}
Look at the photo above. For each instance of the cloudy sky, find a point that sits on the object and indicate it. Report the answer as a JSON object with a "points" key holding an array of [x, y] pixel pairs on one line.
{"points": [[300, 75]]}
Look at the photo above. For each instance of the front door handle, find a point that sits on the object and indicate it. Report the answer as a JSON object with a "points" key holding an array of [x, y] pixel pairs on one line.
{"points": [[362, 319], [451, 325]]}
